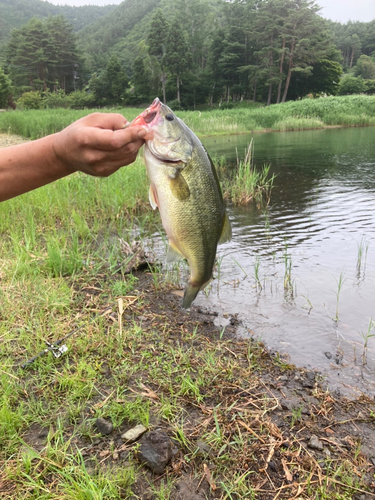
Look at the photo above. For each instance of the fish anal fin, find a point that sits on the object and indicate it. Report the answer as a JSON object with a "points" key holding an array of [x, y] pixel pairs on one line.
{"points": [[173, 254], [153, 197], [226, 232]]}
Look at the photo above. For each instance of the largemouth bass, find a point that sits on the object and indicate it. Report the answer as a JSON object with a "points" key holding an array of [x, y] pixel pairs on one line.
{"points": [[185, 187]]}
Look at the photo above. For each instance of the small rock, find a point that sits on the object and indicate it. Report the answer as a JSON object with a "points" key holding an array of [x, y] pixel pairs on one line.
{"points": [[310, 375], [155, 450], [315, 443], [328, 355], [133, 434], [104, 426]]}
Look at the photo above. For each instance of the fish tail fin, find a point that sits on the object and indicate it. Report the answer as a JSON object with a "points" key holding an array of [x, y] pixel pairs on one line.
{"points": [[191, 291], [189, 295]]}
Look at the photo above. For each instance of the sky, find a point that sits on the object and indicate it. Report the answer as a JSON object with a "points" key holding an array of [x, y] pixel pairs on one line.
{"points": [[336, 10]]}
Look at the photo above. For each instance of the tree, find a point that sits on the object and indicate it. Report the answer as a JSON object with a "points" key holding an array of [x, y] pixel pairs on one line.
{"points": [[140, 79], [5, 89], [177, 56], [109, 86], [365, 67], [43, 55], [352, 85], [157, 40]]}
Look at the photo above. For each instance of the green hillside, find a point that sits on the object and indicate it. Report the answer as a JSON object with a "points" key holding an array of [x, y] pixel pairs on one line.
{"points": [[194, 52], [16, 13]]}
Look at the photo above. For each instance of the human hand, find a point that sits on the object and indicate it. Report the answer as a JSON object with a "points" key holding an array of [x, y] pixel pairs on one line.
{"points": [[98, 144]]}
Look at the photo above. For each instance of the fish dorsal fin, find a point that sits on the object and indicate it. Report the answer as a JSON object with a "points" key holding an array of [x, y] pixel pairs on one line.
{"points": [[226, 233], [179, 186], [173, 254], [152, 196]]}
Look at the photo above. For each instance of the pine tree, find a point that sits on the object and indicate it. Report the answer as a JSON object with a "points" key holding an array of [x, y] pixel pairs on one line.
{"points": [[5, 86], [177, 56], [156, 40]]}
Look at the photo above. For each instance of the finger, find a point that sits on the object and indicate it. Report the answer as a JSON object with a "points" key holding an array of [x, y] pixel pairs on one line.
{"points": [[110, 121], [109, 140], [107, 166]]}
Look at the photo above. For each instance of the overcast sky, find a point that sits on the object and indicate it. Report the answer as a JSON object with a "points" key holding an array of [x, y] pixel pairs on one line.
{"points": [[337, 10]]}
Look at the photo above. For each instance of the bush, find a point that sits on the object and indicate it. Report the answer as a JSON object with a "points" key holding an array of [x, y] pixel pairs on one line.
{"points": [[351, 85], [57, 99], [81, 99], [370, 86], [30, 100]]}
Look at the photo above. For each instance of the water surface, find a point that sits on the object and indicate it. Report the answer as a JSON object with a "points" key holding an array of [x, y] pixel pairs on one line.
{"points": [[301, 274]]}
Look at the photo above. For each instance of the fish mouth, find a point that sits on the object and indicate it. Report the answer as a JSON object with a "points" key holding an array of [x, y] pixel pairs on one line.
{"points": [[149, 115]]}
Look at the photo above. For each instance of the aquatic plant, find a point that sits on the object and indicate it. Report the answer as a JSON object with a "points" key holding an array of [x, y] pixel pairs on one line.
{"points": [[249, 183], [366, 336], [340, 283]]}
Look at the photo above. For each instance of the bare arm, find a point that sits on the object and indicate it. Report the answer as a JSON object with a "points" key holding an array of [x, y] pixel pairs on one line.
{"points": [[97, 144]]}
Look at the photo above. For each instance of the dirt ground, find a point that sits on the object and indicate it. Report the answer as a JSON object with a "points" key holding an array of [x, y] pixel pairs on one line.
{"points": [[10, 140]]}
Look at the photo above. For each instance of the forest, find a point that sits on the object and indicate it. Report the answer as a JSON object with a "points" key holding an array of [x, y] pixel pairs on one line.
{"points": [[189, 52]]}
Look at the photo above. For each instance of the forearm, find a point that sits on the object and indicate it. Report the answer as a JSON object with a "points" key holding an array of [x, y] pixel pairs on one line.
{"points": [[97, 144], [28, 166]]}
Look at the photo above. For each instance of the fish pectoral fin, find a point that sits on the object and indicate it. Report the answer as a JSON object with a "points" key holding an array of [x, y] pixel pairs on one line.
{"points": [[153, 197], [179, 186], [173, 254], [226, 233]]}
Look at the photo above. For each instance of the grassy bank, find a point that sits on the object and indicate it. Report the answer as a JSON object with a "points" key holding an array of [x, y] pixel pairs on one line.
{"points": [[356, 110], [237, 426]]}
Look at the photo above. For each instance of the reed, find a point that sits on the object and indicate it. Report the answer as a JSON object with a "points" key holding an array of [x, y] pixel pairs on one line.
{"points": [[249, 183], [366, 336]]}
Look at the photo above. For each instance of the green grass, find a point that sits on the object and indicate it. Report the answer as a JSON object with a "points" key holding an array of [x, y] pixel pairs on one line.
{"points": [[355, 110], [244, 182]]}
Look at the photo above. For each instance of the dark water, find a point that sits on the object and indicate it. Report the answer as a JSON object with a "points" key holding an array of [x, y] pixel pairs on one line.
{"points": [[301, 274]]}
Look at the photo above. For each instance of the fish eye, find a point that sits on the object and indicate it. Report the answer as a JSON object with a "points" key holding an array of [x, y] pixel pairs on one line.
{"points": [[169, 117]]}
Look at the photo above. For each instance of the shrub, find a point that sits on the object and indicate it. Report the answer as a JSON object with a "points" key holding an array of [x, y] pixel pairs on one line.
{"points": [[370, 86], [57, 99], [81, 99], [351, 85], [30, 100]]}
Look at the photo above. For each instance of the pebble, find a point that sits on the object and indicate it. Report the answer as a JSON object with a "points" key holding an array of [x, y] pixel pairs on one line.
{"points": [[104, 426], [315, 443], [133, 434]]}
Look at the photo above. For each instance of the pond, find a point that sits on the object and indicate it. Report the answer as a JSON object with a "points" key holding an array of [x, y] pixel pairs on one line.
{"points": [[301, 273]]}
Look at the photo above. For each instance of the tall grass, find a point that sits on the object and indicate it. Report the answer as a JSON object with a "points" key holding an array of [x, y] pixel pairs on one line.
{"points": [[35, 124], [355, 110], [248, 183]]}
